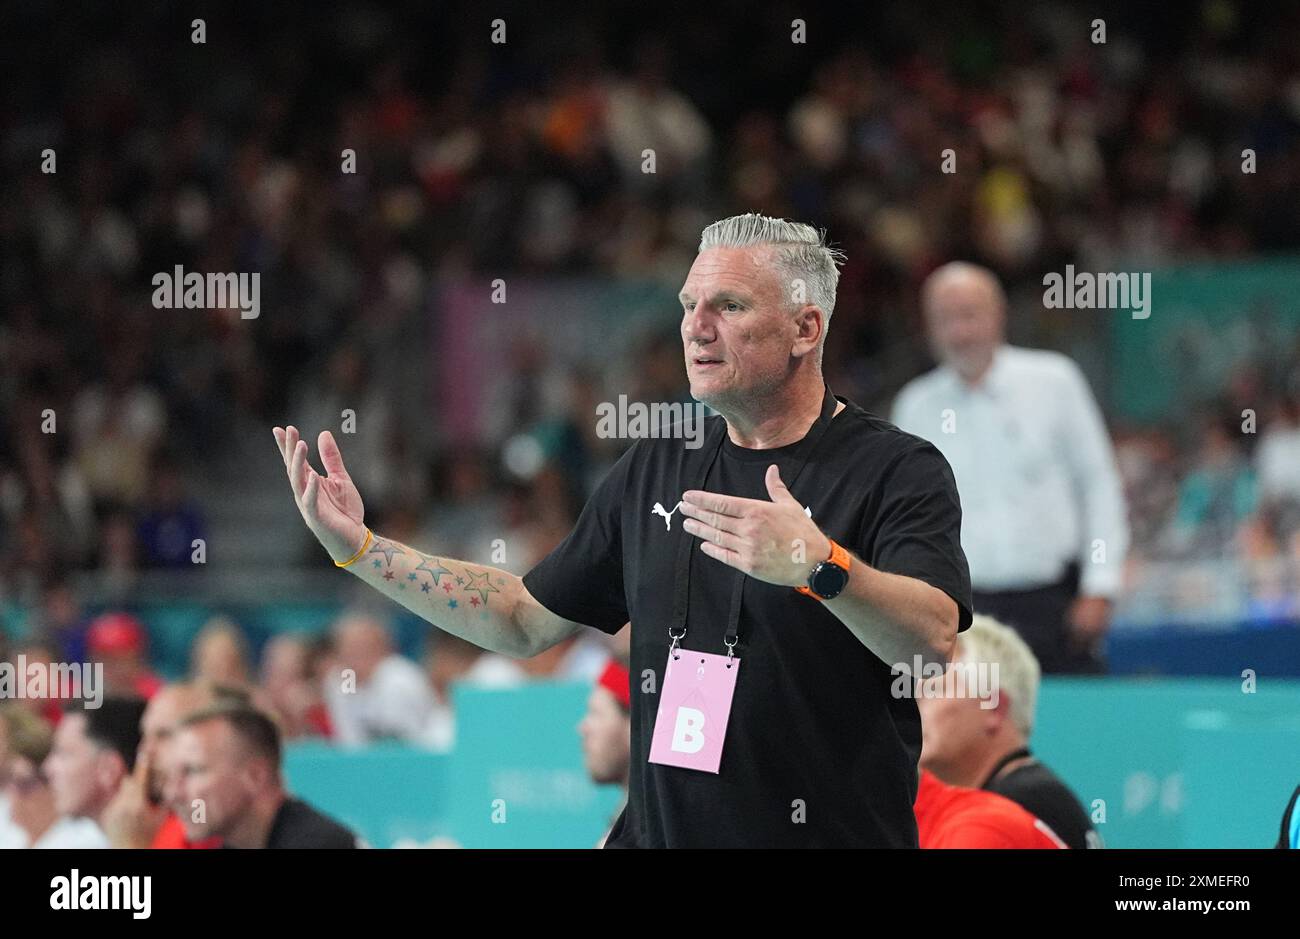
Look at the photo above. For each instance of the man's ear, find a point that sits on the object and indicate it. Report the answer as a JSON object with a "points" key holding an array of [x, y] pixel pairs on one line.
{"points": [[1002, 713], [110, 770], [810, 325], [258, 774]]}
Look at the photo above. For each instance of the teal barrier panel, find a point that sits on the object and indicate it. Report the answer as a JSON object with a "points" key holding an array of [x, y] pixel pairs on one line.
{"points": [[1126, 748], [1204, 320], [1241, 771], [1172, 763], [517, 778], [387, 793]]}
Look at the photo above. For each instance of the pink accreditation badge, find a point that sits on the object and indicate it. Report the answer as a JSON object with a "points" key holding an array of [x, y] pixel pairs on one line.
{"points": [[694, 705]]}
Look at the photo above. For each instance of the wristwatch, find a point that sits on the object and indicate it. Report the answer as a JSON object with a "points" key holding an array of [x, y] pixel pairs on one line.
{"points": [[828, 577]]}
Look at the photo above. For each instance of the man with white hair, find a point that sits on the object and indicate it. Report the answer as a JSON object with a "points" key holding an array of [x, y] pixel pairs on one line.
{"points": [[981, 741], [1046, 530], [816, 547]]}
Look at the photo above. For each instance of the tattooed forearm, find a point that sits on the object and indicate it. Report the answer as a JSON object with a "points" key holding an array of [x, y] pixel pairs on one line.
{"points": [[473, 601]]}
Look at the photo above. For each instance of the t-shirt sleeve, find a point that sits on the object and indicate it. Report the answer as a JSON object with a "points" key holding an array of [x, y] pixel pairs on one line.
{"points": [[917, 531], [582, 579]]}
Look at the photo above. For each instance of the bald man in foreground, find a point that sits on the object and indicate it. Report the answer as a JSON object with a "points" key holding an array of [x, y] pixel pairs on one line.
{"points": [[1045, 529]]}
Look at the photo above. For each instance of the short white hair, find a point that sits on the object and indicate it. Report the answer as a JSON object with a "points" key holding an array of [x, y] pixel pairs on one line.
{"points": [[801, 252], [988, 641]]}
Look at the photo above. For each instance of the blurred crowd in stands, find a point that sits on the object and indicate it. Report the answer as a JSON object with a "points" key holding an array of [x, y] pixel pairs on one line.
{"points": [[528, 160]]}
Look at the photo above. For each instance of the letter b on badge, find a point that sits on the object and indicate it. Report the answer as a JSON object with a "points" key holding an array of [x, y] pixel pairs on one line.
{"points": [[688, 732]]}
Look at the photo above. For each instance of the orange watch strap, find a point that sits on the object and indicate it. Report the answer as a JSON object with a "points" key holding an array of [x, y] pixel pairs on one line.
{"points": [[839, 557]]}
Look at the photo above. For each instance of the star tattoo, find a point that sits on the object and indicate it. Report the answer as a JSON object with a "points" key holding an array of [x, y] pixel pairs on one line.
{"points": [[386, 548], [435, 571], [482, 584]]}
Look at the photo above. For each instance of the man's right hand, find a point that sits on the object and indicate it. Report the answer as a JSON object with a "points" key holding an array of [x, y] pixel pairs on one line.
{"points": [[131, 820], [330, 504]]}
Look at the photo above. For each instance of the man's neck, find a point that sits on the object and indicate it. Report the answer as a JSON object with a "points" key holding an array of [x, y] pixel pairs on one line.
{"points": [[975, 773], [255, 828], [778, 421], [39, 827], [974, 381]]}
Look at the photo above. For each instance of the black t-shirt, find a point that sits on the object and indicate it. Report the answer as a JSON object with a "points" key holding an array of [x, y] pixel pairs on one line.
{"points": [[1037, 789], [298, 825], [818, 753], [1285, 837]]}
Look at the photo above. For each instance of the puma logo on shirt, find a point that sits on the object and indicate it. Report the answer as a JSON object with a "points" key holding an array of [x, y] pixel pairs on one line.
{"points": [[668, 516]]}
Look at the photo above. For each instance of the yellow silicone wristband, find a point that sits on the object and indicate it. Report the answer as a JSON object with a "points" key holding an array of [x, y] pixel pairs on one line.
{"points": [[360, 551]]}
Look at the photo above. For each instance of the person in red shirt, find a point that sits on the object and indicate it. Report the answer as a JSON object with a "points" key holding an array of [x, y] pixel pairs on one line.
{"points": [[957, 817]]}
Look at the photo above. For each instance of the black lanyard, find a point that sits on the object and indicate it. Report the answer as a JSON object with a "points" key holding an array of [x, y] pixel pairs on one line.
{"points": [[682, 582]]}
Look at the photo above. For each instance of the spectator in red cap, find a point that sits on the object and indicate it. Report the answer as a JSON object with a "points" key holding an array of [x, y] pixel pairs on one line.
{"points": [[119, 641], [606, 732]]}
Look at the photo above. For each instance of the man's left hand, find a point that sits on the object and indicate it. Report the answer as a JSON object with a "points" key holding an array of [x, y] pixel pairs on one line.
{"points": [[763, 539], [1089, 617]]}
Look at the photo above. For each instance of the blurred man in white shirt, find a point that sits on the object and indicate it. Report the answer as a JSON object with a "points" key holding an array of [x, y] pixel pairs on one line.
{"points": [[379, 694], [1044, 526]]}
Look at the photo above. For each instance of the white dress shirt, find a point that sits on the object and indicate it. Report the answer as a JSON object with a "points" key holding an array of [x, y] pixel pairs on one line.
{"points": [[76, 833], [1034, 466], [397, 703]]}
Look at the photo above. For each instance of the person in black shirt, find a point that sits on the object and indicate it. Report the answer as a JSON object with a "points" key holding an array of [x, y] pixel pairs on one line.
{"points": [[1289, 835], [812, 542], [228, 760], [980, 740]]}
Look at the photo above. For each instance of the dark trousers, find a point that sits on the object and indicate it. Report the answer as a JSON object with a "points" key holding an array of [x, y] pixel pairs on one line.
{"points": [[1039, 616]]}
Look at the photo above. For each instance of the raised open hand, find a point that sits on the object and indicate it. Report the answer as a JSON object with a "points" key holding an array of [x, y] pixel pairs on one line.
{"points": [[329, 504]]}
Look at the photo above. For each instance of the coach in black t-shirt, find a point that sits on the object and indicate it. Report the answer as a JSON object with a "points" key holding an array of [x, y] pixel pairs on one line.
{"points": [[806, 544]]}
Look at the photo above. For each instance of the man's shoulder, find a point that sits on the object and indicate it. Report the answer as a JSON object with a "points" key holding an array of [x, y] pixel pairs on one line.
{"points": [[1041, 364], [1041, 791], [676, 440], [79, 833], [935, 380], [299, 825], [881, 437], [397, 671], [980, 806], [1035, 776]]}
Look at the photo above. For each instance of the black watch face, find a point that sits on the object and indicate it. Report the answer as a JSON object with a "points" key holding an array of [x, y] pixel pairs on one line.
{"points": [[828, 580]]}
